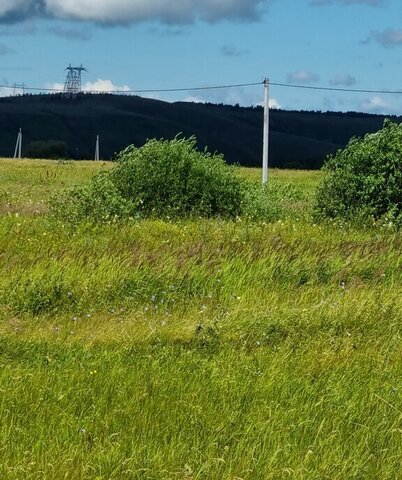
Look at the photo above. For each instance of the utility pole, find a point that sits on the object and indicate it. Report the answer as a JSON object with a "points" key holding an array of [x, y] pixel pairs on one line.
{"points": [[266, 133], [18, 145], [97, 149]]}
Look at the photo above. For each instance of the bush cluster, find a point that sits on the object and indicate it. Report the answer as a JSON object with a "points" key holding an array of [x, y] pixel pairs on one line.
{"points": [[163, 179], [364, 181], [173, 180]]}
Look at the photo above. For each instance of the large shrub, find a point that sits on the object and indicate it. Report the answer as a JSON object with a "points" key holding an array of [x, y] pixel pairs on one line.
{"points": [[364, 180], [161, 179]]}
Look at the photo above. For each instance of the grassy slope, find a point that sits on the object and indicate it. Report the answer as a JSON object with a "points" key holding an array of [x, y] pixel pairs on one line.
{"points": [[199, 350]]}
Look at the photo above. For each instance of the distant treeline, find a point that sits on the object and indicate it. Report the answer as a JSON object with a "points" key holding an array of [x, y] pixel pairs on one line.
{"points": [[55, 126]]}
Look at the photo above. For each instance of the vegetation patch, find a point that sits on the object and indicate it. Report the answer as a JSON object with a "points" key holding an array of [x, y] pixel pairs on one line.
{"points": [[364, 180], [168, 179], [196, 349], [172, 180]]}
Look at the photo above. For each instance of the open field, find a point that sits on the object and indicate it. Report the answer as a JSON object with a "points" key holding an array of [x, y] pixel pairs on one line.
{"points": [[195, 350]]}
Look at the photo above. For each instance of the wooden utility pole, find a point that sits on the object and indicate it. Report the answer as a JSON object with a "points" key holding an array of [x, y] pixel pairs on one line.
{"points": [[18, 145], [265, 147], [97, 149]]}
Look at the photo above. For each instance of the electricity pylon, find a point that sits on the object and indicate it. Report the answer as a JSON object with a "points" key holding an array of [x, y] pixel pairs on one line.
{"points": [[72, 85]]}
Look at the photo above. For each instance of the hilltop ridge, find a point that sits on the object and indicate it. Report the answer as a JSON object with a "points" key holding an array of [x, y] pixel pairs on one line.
{"points": [[298, 139]]}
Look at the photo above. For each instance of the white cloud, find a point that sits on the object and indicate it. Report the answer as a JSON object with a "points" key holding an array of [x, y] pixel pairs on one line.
{"points": [[56, 86], [387, 38], [303, 76], [99, 86], [233, 51], [228, 96], [128, 11], [343, 80], [273, 103], [193, 99], [104, 86], [377, 104], [7, 6], [232, 96]]}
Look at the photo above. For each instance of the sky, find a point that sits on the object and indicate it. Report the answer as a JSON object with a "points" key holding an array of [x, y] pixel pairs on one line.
{"points": [[165, 44]]}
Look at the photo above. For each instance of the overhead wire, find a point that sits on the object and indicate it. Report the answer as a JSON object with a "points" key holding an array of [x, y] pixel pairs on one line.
{"points": [[335, 89], [213, 87], [126, 91]]}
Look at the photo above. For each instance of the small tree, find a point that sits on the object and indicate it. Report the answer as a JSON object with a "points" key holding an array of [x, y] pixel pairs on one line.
{"points": [[364, 180]]}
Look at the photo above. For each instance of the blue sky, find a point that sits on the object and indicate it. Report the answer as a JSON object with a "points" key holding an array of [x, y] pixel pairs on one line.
{"points": [[157, 44]]}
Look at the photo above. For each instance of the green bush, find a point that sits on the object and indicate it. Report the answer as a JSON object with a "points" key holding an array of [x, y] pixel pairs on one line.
{"points": [[364, 180], [99, 201], [165, 179], [172, 178]]}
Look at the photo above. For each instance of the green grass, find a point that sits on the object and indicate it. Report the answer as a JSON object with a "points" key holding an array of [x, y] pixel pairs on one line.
{"points": [[195, 350], [26, 185]]}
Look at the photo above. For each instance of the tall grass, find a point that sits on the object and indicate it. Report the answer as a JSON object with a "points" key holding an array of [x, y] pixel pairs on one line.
{"points": [[195, 349]]}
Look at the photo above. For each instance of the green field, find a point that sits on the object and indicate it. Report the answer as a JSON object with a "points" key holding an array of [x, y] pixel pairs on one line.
{"points": [[195, 350]]}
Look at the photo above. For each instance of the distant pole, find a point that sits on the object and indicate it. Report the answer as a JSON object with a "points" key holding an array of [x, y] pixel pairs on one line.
{"points": [[18, 145], [97, 149], [266, 133]]}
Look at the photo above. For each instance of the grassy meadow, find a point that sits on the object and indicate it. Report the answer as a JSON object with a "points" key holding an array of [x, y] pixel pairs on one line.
{"points": [[195, 350]]}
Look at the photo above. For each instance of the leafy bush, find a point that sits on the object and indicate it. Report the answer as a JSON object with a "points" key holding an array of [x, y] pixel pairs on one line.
{"points": [[161, 179], [99, 201], [173, 178], [364, 180]]}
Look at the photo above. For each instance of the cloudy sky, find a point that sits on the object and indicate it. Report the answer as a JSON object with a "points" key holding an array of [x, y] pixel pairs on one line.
{"points": [[162, 44]]}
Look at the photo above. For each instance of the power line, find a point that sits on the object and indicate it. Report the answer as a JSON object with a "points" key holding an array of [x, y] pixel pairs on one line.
{"points": [[336, 89], [160, 90], [217, 87]]}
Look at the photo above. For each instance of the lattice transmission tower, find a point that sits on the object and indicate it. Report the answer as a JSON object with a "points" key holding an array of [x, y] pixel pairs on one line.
{"points": [[72, 85]]}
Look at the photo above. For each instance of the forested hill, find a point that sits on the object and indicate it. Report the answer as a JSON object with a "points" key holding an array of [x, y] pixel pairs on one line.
{"points": [[297, 139]]}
